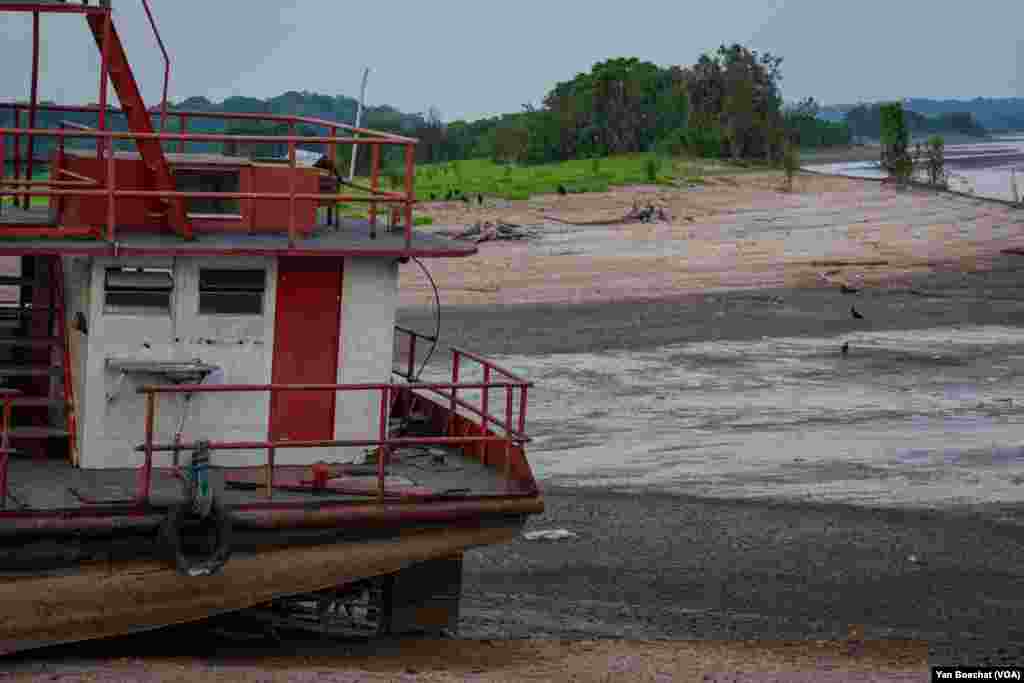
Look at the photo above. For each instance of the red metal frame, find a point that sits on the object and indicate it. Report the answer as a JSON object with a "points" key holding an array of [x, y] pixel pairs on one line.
{"points": [[105, 138]]}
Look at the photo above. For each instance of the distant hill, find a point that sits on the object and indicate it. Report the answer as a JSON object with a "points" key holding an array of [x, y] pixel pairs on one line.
{"points": [[1006, 113]]}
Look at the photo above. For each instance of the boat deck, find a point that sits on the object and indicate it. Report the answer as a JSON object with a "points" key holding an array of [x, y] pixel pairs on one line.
{"points": [[412, 472]]}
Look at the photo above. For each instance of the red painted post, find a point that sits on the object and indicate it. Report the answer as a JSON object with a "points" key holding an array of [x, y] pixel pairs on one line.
{"points": [[5, 445], [291, 188], [104, 77], [455, 380], [145, 474], [111, 203], [410, 179], [412, 356], [33, 103], [382, 451], [3, 169], [522, 409], [374, 183], [271, 452], [184, 129], [17, 152], [508, 433], [484, 400]]}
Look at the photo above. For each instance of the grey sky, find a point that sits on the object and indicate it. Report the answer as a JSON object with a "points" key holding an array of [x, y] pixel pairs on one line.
{"points": [[473, 59]]}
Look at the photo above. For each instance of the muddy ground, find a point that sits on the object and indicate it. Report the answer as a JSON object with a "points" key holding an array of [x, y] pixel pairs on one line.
{"points": [[652, 565]]}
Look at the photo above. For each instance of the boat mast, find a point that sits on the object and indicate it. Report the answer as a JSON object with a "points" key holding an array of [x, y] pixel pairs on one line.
{"points": [[359, 116]]}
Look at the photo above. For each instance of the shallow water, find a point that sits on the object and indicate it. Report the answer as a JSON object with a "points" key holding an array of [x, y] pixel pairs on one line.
{"points": [[918, 418], [984, 169]]}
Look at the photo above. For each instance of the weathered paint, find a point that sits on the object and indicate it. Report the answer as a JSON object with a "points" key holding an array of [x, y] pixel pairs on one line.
{"points": [[239, 344], [368, 304], [243, 346], [305, 346]]}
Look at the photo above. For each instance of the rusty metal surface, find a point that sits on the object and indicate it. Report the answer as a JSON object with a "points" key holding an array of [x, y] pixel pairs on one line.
{"points": [[117, 598]]}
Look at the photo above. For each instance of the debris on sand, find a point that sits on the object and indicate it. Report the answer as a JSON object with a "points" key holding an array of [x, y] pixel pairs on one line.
{"points": [[549, 535], [490, 232]]}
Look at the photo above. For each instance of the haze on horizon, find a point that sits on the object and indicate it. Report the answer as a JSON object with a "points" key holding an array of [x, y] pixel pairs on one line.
{"points": [[471, 62]]}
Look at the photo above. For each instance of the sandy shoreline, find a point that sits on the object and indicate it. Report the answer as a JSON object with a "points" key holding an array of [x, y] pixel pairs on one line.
{"points": [[734, 232]]}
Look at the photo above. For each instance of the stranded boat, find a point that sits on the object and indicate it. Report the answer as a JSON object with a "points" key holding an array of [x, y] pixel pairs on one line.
{"points": [[206, 405]]}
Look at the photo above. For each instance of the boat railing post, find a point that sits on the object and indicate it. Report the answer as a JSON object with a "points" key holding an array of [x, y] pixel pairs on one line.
{"points": [[484, 400], [145, 474], [455, 380], [522, 409], [111, 203], [17, 154], [33, 105], [271, 452], [508, 434], [5, 445], [374, 184], [410, 179], [383, 450], [291, 186], [183, 120], [60, 166]]}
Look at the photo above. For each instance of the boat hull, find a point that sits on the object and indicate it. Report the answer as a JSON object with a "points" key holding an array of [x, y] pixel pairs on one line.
{"points": [[101, 600]]}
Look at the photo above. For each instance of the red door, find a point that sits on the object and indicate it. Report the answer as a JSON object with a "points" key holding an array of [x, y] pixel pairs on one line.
{"points": [[306, 331]]}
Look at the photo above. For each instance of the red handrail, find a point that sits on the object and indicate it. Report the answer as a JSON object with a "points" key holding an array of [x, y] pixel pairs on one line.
{"points": [[167, 64]]}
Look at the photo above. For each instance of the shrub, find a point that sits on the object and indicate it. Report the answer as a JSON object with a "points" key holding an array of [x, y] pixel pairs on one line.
{"points": [[422, 220], [790, 163]]}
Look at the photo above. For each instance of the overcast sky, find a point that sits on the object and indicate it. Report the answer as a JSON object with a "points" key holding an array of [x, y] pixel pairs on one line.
{"points": [[474, 59]]}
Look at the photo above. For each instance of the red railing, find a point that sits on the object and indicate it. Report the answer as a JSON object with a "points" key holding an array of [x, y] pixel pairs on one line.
{"points": [[6, 395], [385, 443], [26, 188]]}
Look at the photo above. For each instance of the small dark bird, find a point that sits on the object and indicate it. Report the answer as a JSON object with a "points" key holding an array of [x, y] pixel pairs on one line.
{"points": [[846, 289], [433, 196], [480, 199], [846, 348], [561, 190], [855, 313]]}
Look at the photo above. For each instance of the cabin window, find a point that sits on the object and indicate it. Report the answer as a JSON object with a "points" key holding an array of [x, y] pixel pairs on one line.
{"points": [[226, 180], [231, 292], [133, 291]]}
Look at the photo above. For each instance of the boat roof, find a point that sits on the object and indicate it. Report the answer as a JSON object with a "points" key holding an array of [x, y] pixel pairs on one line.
{"points": [[351, 237]]}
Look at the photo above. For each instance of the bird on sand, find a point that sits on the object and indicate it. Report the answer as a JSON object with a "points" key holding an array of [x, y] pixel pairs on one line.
{"points": [[855, 313], [847, 289], [846, 348], [480, 199]]}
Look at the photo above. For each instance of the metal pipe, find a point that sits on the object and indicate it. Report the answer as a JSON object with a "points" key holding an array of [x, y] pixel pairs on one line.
{"points": [[183, 119], [111, 204], [167, 64], [146, 194], [483, 361], [484, 399], [104, 77], [33, 101], [455, 381], [17, 149], [382, 449], [328, 443], [410, 179], [271, 453], [367, 386], [522, 409], [5, 443], [508, 440], [291, 191], [374, 184], [359, 116], [194, 137]]}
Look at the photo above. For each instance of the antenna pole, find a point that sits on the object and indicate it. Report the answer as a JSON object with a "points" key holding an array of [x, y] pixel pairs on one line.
{"points": [[359, 117]]}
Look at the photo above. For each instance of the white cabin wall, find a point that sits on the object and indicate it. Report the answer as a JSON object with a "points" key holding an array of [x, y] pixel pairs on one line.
{"points": [[368, 303], [241, 345]]}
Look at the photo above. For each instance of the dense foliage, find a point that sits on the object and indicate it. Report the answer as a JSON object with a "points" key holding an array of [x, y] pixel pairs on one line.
{"points": [[865, 121]]}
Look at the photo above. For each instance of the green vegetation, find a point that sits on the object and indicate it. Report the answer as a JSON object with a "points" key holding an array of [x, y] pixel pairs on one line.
{"points": [[867, 121], [895, 138]]}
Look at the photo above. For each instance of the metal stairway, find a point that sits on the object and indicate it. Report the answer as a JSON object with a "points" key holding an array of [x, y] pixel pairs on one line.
{"points": [[34, 361], [174, 210]]}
